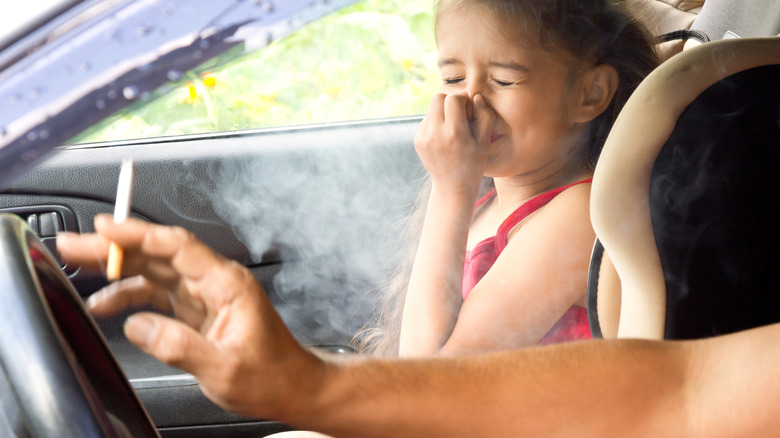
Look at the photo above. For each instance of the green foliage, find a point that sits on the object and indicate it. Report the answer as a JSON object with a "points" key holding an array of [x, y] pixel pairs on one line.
{"points": [[374, 59]]}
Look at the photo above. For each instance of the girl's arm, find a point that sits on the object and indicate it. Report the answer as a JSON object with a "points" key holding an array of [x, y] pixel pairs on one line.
{"points": [[540, 274], [454, 157], [433, 297]]}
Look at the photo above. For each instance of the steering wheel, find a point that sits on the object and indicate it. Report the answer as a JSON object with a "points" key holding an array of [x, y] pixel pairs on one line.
{"points": [[61, 378]]}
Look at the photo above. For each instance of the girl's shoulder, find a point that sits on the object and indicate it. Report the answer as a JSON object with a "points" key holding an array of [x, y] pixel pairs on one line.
{"points": [[578, 190], [568, 210], [575, 197]]}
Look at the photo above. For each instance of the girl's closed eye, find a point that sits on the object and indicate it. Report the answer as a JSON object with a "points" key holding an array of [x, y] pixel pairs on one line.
{"points": [[452, 81], [503, 83]]}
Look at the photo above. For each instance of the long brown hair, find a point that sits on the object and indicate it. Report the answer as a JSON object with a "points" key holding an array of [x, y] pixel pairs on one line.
{"points": [[583, 32]]}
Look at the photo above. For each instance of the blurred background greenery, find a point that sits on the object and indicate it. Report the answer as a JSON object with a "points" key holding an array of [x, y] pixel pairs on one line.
{"points": [[374, 59]]}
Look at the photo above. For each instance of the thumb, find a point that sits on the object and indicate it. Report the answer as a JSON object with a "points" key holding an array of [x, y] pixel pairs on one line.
{"points": [[170, 341], [484, 118]]}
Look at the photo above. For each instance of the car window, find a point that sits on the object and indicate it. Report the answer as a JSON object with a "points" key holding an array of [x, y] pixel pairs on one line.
{"points": [[372, 59]]}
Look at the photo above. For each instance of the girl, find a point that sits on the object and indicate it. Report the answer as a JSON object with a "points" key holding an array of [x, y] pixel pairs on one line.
{"points": [[529, 91]]}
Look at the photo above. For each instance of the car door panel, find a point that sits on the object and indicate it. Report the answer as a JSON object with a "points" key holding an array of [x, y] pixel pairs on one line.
{"points": [[366, 174]]}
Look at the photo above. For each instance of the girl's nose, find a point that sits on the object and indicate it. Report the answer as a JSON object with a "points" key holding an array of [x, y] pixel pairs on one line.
{"points": [[473, 89]]}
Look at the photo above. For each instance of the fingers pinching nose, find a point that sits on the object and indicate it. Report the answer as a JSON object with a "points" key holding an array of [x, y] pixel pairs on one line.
{"points": [[478, 101]]}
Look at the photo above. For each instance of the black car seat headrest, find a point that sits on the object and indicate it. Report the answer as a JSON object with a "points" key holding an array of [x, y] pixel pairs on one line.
{"points": [[686, 199], [715, 208]]}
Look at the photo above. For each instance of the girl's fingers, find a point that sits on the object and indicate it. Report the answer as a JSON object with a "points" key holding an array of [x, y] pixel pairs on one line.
{"points": [[133, 291], [434, 117], [435, 112], [484, 118], [469, 110], [455, 114]]}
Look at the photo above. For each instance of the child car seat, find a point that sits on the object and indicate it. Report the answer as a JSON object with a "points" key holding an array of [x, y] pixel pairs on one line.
{"points": [[670, 20], [720, 19], [688, 207], [684, 23]]}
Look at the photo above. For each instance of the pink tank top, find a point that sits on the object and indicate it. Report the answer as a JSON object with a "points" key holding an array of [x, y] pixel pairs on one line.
{"points": [[574, 323]]}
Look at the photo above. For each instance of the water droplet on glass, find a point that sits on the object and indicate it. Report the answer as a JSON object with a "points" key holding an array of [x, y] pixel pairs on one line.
{"points": [[197, 54], [32, 136], [111, 94], [144, 30], [44, 134], [35, 93], [130, 92], [168, 9], [100, 104], [204, 44], [174, 75], [146, 95], [84, 66], [268, 7]]}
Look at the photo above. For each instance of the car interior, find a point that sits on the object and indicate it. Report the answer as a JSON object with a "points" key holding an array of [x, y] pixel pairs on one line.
{"points": [[241, 193], [713, 221]]}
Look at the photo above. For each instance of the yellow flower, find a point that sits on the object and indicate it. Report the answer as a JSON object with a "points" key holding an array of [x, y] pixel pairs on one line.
{"points": [[333, 90]]}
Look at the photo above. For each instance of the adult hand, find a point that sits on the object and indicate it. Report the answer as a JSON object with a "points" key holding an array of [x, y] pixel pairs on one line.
{"points": [[226, 332], [453, 140]]}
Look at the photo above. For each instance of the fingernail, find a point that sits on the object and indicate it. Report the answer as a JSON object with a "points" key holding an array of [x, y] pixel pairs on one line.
{"points": [[100, 220], [94, 299], [61, 238], [141, 330]]}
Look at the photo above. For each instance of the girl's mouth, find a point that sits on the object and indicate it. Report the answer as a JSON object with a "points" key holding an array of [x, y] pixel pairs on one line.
{"points": [[494, 137]]}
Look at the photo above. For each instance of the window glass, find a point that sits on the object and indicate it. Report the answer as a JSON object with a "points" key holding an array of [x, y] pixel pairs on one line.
{"points": [[374, 59]]}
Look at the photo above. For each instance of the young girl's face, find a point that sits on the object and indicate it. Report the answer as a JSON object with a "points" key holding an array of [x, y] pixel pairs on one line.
{"points": [[524, 85]]}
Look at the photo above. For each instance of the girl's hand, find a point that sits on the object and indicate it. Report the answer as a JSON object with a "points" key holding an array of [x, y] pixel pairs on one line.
{"points": [[452, 144], [226, 332]]}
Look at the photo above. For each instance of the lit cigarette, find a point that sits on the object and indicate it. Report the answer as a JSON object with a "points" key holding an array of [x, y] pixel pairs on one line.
{"points": [[124, 192]]}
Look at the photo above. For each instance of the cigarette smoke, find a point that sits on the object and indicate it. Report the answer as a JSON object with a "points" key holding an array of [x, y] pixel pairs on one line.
{"points": [[329, 214]]}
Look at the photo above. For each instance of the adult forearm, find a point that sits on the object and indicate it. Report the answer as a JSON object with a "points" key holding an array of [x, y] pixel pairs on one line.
{"points": [[433, 296], [734, 387], [599, 389]]}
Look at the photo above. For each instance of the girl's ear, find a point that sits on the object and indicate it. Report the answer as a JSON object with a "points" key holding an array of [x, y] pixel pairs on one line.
{"points": [[594, 92]]}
